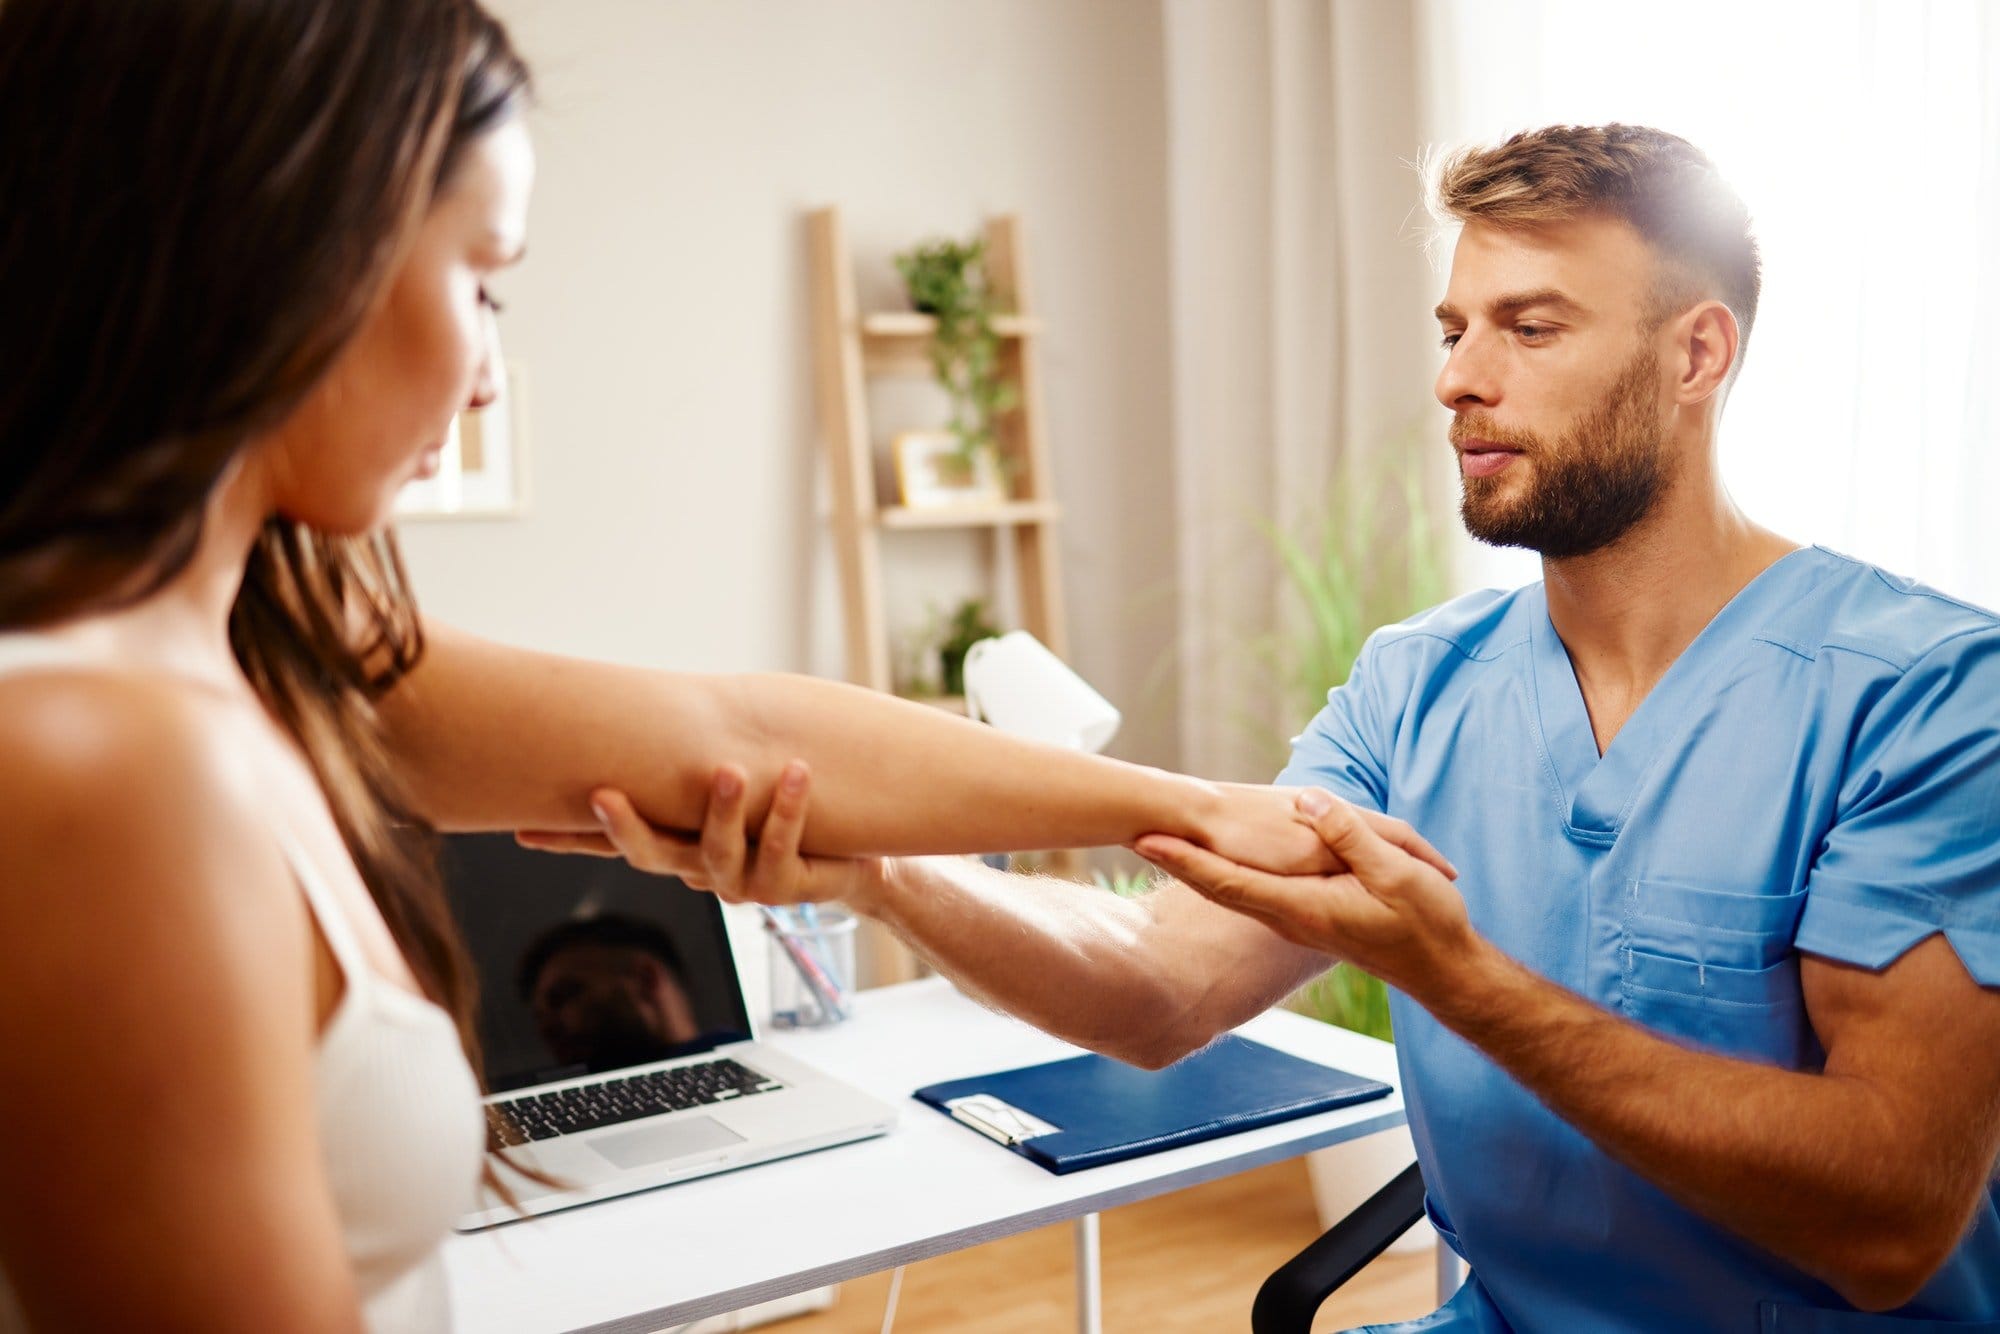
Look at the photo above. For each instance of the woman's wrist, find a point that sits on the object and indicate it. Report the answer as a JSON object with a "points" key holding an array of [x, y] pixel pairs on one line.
{"points": [[874, 885], [1187, 808]]}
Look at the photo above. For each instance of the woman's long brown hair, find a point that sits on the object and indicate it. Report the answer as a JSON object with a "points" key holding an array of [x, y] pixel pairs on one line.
{"points": [[200, 201]]}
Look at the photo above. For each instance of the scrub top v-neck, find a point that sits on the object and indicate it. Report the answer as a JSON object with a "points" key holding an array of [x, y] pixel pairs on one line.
{"points": [[1598, 792], [1819, 772]]}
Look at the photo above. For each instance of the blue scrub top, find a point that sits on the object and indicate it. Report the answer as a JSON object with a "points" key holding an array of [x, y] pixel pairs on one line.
{"points": [[1819, 772]]}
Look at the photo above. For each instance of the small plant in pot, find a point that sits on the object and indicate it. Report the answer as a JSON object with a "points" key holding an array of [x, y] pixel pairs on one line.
{"points": [[965, 626], [932, 658], [947, 281]]}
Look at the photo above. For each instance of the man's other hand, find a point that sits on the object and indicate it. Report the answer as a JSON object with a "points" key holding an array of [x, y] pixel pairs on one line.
{"points": [[1392, 910], [723, 859]]}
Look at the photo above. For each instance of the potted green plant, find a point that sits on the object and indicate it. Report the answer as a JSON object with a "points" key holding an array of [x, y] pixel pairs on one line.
{"points": [[947, 281], [931, 659], [967, 624]]}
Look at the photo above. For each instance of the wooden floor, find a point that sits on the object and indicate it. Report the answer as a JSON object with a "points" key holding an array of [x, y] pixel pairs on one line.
{"points": [[1175, 1265]]}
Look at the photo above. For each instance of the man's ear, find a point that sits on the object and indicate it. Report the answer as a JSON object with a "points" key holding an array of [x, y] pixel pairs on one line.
{"points": [[1706, 339]]}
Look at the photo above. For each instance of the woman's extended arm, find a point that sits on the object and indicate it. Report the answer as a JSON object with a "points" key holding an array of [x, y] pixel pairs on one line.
{"points": [[493, 737]]}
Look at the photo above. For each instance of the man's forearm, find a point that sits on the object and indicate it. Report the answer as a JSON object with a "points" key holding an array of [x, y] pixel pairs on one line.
{"points": [[1808, 1166], [1146, 980]]}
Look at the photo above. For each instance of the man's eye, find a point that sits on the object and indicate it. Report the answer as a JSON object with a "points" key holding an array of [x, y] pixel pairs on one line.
{"points": [[1448, 341], [1532, 331], [486, 300]]}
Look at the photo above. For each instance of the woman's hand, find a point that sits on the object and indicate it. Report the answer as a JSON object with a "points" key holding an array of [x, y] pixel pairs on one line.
{"points": [[723, 859], [1393, 911]]}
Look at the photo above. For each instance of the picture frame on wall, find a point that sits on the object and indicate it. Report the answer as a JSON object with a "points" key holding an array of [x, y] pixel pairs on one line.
{"points": [[932, 472], [483, 471]]}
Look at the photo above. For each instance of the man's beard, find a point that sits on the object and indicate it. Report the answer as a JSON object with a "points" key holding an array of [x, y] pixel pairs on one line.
{"points": [[1590, 488]]}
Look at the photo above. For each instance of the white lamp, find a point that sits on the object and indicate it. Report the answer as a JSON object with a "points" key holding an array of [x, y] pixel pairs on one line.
{"points": [[1017, 685]]}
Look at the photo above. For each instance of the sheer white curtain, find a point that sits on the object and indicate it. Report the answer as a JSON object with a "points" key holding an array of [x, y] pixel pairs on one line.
{"points": [[1865, 137], [1299, 300]]}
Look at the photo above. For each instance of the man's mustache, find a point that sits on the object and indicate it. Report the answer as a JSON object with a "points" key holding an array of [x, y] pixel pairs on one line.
{"points": [[1474, 427]]}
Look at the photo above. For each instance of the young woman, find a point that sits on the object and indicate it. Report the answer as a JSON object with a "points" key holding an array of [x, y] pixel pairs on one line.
{"points": [[243, 258]]}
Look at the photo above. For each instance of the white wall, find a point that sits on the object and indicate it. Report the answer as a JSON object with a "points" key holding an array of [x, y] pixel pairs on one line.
{"points": [[662, 314]]}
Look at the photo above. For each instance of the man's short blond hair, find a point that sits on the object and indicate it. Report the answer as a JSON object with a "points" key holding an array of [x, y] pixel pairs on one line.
{"points": [[1659, 183]]}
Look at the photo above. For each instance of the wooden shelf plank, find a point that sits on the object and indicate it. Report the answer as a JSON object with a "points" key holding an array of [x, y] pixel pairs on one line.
{"points": [[1011, 514], [915, 324]]}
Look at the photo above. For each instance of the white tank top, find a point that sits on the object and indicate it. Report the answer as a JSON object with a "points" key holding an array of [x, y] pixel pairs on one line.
{"points": [[400, 1122]]}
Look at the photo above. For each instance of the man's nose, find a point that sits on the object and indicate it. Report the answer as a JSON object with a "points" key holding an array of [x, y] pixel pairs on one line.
{"points": [[1468, 378]]}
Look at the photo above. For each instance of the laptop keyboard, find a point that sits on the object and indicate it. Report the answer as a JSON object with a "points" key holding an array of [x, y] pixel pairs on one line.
{"points": [[586, 1107]]}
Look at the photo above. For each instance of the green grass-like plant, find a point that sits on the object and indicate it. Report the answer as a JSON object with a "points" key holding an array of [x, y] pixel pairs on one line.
{"points": [[1125, 884], [1360, 562]]}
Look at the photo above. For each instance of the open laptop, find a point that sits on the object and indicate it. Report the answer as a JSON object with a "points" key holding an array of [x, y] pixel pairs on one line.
{"points": [[618, 1046]]}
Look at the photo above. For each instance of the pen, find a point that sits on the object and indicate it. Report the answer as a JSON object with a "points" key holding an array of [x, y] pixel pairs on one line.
{"points": [[821, 947], [814, 940], [822, 986]]}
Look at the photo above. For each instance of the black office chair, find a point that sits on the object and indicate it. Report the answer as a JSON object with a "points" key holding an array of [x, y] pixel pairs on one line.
{"points": [[1293, 1293]]}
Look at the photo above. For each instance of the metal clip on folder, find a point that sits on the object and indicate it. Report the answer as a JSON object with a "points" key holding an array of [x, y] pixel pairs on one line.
{"points": [[998, 1120]]}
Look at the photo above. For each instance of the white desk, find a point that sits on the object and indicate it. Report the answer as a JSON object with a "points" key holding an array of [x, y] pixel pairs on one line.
{"points": [[656, 1260]]}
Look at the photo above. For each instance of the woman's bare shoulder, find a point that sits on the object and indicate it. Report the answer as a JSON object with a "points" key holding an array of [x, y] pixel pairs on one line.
{"points": [[122, 745], [159, 984], [124, 801]]}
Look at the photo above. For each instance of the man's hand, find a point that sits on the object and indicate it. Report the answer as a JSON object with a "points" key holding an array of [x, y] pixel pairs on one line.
{"points": [[723, 859], [1263, 828], [1392, 911]]}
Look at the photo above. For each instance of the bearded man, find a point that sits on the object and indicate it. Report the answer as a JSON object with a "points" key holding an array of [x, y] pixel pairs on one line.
{"points": [[1705, 1035]]}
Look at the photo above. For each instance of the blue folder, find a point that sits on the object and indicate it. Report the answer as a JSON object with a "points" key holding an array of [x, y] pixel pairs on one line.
{"points": [[1087, 1111]]}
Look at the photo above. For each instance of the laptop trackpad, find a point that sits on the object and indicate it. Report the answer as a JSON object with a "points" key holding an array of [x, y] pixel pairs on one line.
{"points": [[675, 1139]]}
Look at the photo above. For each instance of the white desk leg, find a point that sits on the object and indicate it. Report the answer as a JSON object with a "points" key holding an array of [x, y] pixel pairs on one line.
{"points": [[1450, 1271], [1089, 1286]]}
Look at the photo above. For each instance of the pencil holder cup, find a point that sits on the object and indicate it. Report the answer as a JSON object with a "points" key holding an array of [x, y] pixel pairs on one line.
{"points": [[812, 966]]}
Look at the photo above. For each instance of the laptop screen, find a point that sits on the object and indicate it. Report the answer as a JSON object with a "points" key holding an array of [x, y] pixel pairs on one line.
{"points": [[586, 964]]}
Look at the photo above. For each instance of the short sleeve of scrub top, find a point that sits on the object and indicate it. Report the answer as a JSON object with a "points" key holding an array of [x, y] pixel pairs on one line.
{"points": [[1915, 846], [1345, 748]]}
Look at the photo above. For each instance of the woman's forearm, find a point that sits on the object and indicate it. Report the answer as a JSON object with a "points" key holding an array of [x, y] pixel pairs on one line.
{"points": [[929, 781], [492, 737]]}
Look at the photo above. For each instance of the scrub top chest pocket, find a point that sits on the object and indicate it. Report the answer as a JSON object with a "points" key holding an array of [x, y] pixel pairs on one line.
{"points": [[1713, 967]]}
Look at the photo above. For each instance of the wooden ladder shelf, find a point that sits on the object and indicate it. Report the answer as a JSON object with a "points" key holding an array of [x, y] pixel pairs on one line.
{"points": [[851, 347]]}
